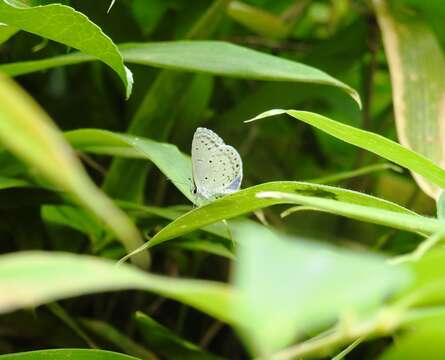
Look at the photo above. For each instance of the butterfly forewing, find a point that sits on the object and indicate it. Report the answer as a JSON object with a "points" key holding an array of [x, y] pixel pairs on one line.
{"points": [[217, 168]]}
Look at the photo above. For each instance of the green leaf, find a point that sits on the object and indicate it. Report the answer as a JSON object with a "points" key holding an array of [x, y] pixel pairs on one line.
{"points": [[32, 136], [161, 154], [80, 33], [72, 354], [424, 343], [304, 287], [415, 59], [367, 140], [34, 278], [378, 216], [165, 342], [221, 58], [117, 338], [325, 198]]}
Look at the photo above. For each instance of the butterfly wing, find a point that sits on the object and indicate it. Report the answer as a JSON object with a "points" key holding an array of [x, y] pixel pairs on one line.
{"points": [[217, 168]]}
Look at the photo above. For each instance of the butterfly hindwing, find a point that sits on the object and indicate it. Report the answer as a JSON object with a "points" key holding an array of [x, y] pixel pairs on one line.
{"points": [[217, 167]]}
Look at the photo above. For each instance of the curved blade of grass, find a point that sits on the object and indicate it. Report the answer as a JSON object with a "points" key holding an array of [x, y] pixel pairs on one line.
{"points": [[415, 59], [79, 32], [367, 140], [166, 342], [72, 354], [211, 57], [363, 213], [326, 198], [34, 278], [32, 136]]}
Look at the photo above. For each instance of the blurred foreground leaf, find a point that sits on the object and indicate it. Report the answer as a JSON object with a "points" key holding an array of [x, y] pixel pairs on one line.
{"points": [[31, 135], [304, 287], [34, 278]]}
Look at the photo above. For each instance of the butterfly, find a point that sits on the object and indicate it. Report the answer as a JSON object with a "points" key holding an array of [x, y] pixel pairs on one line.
{"points": [[217, 168]]}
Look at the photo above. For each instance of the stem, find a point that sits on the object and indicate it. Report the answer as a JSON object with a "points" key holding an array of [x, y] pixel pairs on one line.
{"points": [[348, 349], [354, 173]]}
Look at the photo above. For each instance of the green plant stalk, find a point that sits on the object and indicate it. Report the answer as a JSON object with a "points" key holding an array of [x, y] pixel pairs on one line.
{"points": [[346, 175]]}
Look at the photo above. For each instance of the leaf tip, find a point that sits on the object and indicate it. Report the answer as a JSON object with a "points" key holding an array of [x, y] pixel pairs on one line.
{"points": [[265, 114], [129, 82]]}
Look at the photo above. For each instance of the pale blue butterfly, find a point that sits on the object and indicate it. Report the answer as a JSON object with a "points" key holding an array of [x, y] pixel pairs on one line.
{"points": [[217, 168]]}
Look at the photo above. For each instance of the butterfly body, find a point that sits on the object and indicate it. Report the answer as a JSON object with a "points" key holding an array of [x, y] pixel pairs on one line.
{"points": [[216, 167]]}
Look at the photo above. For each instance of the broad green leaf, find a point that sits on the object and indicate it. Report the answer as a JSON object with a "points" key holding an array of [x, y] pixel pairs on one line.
{"points": [[324, 198], [32, 136], [167, 343], [221, 58], [304, 287], [34, 278], [80, 33], [423, 343], [372, 142], [415, 59], [258, 20], [226, 59], [72, 354], [117, 338]]}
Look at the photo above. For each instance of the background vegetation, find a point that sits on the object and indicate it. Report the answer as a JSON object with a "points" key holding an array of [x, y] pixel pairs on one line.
{"points": [[333, 245]]}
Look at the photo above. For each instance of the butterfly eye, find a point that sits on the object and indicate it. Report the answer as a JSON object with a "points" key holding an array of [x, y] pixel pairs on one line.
{"points": [[194, 191]]}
